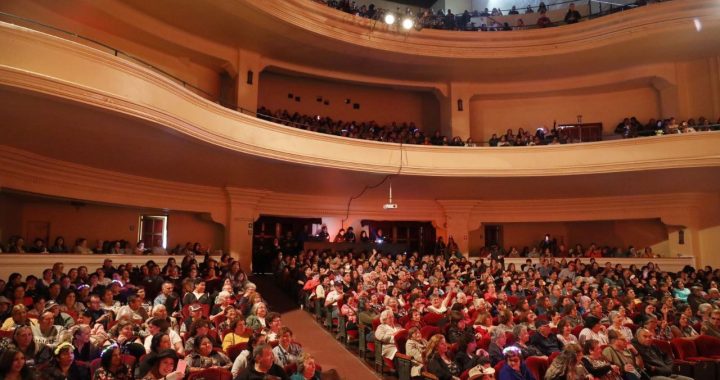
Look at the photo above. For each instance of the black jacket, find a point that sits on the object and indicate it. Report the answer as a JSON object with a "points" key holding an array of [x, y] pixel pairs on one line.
{"points": [[657, 363]]}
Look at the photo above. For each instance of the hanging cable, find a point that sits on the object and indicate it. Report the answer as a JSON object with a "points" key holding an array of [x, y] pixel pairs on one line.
{"points": [[370, 187]]}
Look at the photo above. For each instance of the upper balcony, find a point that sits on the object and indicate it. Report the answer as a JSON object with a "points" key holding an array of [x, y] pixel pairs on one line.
{"points": [[136, 98], [306, 34]]}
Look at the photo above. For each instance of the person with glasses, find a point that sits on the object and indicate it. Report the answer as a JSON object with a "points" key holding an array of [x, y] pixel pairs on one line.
{"points": [[514, 367]]}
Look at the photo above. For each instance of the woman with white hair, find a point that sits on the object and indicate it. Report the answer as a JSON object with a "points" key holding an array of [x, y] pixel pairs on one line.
{"points": [[385, 333]]}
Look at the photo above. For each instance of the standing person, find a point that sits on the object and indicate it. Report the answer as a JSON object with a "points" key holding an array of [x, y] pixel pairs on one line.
{"points": [[572, 16]]}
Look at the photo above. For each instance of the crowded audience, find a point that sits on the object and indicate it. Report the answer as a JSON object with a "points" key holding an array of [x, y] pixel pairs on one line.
{"points": [[448, 315], [140, 322], [408, 133], [447, 20]]}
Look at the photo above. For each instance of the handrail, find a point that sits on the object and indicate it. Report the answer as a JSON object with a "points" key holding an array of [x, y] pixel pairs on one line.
{"points": [[116, 52], [431, 19]]}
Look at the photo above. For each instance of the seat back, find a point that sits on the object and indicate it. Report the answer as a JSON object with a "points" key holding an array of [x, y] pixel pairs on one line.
{"points": [[211, 373], [537, 366], [664, 347], [235, 350], [432, 319], [401, 338], [683, 348], [428, 331], [707, 345]]}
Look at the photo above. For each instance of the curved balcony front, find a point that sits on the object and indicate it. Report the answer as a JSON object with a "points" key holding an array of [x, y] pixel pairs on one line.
{"points": [[29, 63]]}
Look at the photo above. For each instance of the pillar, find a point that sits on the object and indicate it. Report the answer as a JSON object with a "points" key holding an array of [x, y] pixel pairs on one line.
{"points": [[457, 218], [248, 79], [668, 98], [242, 213], [455, 111]]}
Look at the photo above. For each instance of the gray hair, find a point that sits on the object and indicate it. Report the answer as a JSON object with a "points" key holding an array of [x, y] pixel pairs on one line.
{"points": [[258, 350], [518, 330], [496, 333], [612, 316], [387, 313]]}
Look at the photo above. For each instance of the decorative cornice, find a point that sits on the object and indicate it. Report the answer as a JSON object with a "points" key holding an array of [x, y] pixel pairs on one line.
{"points": [[25, 171]]}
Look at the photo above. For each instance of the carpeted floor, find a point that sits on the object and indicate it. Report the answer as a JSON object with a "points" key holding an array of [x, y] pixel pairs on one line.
{"points": [[329, 352]]}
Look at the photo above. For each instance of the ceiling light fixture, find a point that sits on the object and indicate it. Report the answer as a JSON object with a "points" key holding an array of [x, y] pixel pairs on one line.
{"points": [[389, 18], [408, 23]]}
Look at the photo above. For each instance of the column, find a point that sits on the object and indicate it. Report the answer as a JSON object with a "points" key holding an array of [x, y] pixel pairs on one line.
{"points": [[457, 218], [242, 213], [248, 79], [455, 111], [668, 98]]}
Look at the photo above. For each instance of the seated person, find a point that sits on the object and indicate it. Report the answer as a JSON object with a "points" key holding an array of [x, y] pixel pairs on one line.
{"points": [[514, 367], [286, 352], [546, 342], [64, 367], [263, 365], [438, 361], [238, 334], [204, 357]]}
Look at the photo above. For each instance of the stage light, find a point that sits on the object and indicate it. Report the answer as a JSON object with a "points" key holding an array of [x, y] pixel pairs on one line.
{"points": [[389, 18], [408, 23], [698, 24]]}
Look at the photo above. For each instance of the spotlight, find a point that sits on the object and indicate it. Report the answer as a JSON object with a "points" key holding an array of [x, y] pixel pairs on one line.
{"points": [[698, 24], [408, 23], [389, 18]]}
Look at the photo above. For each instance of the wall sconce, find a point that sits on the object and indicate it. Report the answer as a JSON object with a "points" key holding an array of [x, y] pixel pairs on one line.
{"points": [[250, 77], [460, 104]]}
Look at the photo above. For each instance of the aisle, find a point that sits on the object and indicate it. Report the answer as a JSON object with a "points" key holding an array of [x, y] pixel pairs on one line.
{"points": [[316, 340]]}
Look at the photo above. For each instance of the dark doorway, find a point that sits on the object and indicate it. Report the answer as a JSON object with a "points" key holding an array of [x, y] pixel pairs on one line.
{"points": [[493, 235]]}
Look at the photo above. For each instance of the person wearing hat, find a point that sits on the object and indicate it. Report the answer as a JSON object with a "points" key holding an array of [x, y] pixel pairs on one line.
{"points": [[481, 372], [195, 314], [64, 367], [546, 342], [5, 308], [593, 330], [162, 366]]}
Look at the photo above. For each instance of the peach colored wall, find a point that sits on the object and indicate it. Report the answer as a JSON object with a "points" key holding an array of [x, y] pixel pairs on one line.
{"points": [[10, 213], [638, 233], [383, 105], [488, 116], [105, 222], [695, 91]]}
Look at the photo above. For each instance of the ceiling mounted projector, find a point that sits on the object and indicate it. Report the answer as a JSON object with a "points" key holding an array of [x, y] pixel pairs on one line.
{"points": [[390, 205]]}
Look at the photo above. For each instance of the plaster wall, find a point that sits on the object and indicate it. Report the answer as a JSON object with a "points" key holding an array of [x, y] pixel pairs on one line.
{"points": [[621, 233], [383, 105], [103, 222], [488, 116], [163, 54]]}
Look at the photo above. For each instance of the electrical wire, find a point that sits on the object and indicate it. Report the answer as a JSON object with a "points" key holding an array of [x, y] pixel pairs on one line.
{"points": [[370, 187]]}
